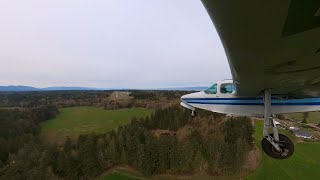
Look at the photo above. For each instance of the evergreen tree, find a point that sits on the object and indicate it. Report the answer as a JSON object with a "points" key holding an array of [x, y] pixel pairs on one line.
{"points": [[89, 163], [123, 157], [150, 160], [305, 117]]}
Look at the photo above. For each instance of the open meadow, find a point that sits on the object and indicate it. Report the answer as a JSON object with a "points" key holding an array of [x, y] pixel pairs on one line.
{"points": [[74, 121], [304, 164], [313, 117]]}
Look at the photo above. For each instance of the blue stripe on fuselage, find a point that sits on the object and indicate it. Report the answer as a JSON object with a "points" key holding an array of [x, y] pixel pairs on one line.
{"points": [[253, 101]]}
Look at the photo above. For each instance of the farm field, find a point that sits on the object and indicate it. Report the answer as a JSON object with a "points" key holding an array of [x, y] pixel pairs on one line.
{"points": [[304, 164], [313, 117], [84, 120]]}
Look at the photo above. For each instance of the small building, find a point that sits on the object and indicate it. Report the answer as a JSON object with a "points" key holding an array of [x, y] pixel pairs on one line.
{"points": [[293, 128], [277, 123], [302, 133]]}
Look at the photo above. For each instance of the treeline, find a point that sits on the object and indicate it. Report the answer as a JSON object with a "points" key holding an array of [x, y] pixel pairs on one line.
{"points": [[56, 98], [20, 126], [157, 95], [147, 99], [156, 99], [170, 118], [221, 148]]}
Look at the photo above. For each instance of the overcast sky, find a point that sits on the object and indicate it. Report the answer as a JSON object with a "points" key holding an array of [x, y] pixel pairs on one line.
{"points": [[109, 44]]}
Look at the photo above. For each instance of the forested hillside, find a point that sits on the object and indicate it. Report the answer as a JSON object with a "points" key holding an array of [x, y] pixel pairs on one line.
{"points": [[21, 126], [169, 141]]}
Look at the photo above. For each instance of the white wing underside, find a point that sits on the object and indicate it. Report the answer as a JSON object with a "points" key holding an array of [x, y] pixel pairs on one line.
{"points": [[270, 44]]}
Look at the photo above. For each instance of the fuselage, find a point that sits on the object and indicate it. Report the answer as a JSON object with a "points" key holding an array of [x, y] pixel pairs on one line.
{"points": [[222, 100]]}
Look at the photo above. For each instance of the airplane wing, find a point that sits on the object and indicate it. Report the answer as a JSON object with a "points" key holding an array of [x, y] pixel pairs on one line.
{"points": [[270, 44]]}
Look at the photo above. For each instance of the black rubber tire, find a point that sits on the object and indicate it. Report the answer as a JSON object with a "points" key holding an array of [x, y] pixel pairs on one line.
{"points": [[285, 144]]}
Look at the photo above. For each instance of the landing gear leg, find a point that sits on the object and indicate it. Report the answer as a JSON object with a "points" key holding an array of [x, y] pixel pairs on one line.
{"points": [[275, 145], [193, 109], [193, 113]]}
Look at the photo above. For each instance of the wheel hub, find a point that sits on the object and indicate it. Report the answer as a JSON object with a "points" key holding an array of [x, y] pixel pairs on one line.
{"points": [[285, 144]]}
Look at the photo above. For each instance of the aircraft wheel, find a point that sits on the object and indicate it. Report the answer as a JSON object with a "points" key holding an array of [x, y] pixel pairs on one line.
{"points": [[285, 144]]}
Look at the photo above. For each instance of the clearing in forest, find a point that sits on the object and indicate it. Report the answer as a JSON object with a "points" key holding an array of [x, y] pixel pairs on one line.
{"points": [[74, 121]]}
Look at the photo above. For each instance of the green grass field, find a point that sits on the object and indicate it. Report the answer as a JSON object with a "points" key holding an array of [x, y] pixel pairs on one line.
{"points": [[314, 117], [304, 164], [83, 120]]}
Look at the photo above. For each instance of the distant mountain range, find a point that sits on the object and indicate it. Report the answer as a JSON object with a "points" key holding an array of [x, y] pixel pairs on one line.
{"points": [[30, 88], [195, 88]]}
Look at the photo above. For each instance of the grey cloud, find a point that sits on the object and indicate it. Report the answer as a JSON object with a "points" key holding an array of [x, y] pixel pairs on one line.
{"points": [[109, 43]]}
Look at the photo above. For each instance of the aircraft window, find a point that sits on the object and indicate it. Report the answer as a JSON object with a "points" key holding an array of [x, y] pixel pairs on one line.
{"points": [[227, 88], [212, 89]]}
